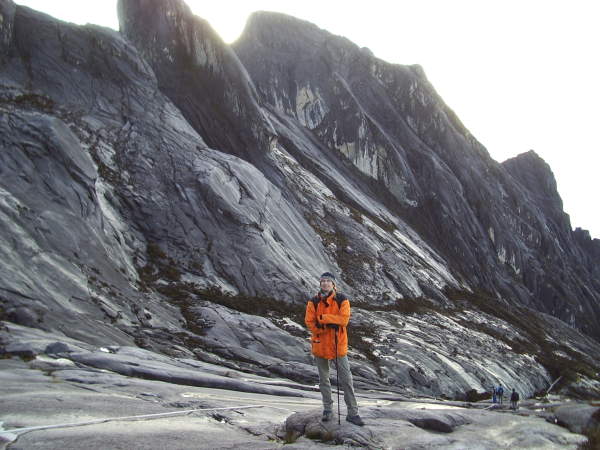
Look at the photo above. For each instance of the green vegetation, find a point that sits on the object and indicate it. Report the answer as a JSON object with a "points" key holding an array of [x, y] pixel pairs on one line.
{"points": [[186, 295], [418, 305], [356, 333], [105, 172], [351, 263], [356, 215], [527, 323], [472, 396], [158, 266], [33, 101], [407, 305]]}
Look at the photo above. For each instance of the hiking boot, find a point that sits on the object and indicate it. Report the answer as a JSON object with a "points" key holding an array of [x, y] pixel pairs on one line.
{"points": [[327, 416], [356, 420]]}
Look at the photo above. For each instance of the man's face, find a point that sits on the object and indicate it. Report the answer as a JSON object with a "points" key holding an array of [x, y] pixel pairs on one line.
{"points": [[326, 285]]}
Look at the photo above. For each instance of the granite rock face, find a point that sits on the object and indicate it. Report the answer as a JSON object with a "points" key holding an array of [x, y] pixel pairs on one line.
{"points": [[501, 226], [145, 174]]}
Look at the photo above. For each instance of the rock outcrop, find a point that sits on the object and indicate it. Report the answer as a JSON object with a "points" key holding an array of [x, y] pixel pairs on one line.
{"points": [[159, 188]]}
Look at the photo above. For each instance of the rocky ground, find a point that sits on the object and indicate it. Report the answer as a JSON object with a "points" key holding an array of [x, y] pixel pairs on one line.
{"points": [[70, 395]]}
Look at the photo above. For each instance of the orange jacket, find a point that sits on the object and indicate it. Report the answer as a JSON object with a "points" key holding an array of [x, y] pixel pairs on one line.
{"points": [[323, 338]]}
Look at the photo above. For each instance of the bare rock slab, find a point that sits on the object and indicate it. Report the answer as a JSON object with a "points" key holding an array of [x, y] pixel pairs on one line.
{"points": [[409, 426]]}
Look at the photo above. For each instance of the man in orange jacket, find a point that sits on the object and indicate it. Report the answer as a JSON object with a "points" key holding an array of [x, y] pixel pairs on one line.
{"points": [[327, 316]]}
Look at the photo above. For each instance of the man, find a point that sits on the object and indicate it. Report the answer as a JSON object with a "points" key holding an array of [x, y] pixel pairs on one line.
{"points": [[514, 400], [327, 316], [500, 394]]}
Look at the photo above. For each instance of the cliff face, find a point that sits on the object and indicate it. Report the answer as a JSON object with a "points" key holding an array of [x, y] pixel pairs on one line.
{"points": [[500, 226], [337, 203], [145, 171]]}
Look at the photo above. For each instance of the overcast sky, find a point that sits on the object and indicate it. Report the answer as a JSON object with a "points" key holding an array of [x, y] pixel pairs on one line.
{"points": [[521, 75]]}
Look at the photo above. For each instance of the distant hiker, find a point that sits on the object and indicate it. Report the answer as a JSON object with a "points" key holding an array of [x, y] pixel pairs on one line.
{"points": [[514, 400], [494, 394], [327, 316], [500, 394]]}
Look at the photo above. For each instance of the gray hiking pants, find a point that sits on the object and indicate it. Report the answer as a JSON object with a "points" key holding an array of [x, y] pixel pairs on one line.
{"points": [[345, 379]]}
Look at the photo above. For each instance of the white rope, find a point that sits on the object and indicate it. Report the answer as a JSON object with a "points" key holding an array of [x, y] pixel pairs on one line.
{"points": [[552, 385], [145, 416]]}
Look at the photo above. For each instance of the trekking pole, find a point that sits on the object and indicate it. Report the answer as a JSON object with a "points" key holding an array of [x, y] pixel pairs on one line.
{"points": [[337, 380]]}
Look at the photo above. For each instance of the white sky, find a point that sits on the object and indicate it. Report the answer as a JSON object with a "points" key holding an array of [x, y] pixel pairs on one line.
{"points": [[520, 74]]}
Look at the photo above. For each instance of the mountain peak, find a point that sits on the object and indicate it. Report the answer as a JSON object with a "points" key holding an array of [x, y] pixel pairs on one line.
{"points": [[281, 32], [278, 22], [169, 26], [534, 173]]}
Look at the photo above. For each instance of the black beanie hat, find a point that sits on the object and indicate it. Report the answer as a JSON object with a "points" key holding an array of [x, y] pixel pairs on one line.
{"points": [[328, 276]]}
